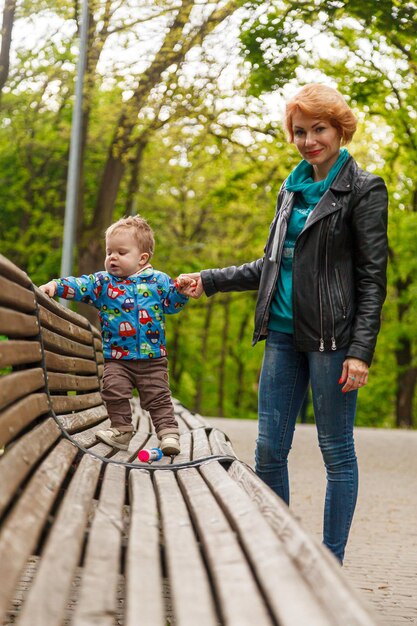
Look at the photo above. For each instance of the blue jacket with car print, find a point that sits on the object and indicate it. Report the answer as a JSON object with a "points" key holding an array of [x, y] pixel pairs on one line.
{"points": [[132, 310]]}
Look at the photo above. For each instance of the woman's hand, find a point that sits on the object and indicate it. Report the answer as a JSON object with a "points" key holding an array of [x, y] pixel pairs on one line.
{"points": [[354, 374], [49, 288], [190, 285]]}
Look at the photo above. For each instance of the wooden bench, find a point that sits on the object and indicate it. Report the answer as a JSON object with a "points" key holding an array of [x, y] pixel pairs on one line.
{"points": [[91, 536]]}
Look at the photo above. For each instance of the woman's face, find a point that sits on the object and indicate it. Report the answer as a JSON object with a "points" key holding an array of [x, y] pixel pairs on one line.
{"points": [[317, 141]]}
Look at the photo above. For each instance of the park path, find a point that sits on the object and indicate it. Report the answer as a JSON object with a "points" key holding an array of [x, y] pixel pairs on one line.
{"points": [[381, 558]]}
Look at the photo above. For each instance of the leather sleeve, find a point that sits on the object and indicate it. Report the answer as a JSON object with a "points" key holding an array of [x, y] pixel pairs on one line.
{"points": [[369, 223], [246, 277]]}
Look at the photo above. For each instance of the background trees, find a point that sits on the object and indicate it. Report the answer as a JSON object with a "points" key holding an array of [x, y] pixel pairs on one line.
{"points": [[180, 126]]}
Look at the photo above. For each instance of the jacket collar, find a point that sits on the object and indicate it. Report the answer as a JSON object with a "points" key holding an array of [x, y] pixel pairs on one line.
{"points": [[344, 181]]}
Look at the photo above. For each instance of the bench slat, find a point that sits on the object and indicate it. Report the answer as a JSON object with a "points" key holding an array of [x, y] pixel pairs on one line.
{"points": [[22, 528], [18, 384], [70, 382], [22, 456], [64, 404], [317, 566], [19, 352], [219, 443], [48, 594], [201, 445], [59, 309], [65, 327], [16, 297], [240, 601], [19, 415], [69, 364], [17, 324], [144, 595], [62, 345], [73, 422], [15, 274], [190, 588], [275, 571], [98, 594]]}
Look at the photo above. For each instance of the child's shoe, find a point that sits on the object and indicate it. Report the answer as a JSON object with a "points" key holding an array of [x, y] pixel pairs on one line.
{"points": [[115, 438], [170, 444]]}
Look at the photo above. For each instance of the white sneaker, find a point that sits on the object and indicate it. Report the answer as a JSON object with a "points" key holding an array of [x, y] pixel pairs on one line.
{"points": [[170, 444], [115, 438]]}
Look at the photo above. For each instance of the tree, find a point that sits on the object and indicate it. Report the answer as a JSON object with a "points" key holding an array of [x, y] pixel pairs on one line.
{"points": [[374, 65]]}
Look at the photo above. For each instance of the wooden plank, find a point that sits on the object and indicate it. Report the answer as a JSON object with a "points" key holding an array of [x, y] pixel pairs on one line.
{"points": [[54, 342], [64, 327], [70, 382], [144, 596], [13, 324], [16, 297], [98, 594], [19, 415], [48, 594], [190, 588], [19, 352], [239, 598], [219, 443], [98, 346], [185, 454], [273, 568], [64, 404], [60, 310], [18, 384], [19, 460], [69, 364], [201, 447], [87, 438], [194, 420], [72, 422], [23, 526], [13, 273], [319, 569]]}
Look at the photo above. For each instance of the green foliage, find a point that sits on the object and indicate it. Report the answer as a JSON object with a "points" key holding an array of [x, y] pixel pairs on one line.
{"points": [[210, 169]]}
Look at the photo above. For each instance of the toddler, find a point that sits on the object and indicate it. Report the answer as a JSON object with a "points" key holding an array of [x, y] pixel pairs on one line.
{"points": [[132, 298]]}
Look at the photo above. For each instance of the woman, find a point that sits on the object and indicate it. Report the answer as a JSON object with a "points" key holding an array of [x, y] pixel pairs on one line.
{"points": [[321, 285]]}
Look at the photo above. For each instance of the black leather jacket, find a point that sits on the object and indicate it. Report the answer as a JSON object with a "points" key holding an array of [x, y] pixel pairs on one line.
{"points": [[339, 267]]}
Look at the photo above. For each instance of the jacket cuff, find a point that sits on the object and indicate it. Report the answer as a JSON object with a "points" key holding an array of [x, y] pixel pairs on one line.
{"points": [[208, 283], [359, 352]]}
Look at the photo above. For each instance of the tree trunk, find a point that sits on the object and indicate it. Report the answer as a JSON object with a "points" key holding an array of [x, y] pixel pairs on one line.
{"points": [[6, 40], [199, 380], [223, 356], [406, 384]]}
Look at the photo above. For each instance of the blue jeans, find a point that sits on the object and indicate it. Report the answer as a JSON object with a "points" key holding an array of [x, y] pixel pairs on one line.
{"points": [[283, 384]]}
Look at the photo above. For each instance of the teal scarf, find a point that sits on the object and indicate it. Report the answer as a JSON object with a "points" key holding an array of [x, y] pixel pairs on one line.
{"points": [[300, 180]]}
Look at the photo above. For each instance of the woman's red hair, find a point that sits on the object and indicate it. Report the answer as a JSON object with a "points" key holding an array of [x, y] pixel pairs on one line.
{"points": [[324, 103]]}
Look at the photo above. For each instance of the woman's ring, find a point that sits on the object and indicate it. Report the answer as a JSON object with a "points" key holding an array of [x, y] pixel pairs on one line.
{"points": [[352, 377]]}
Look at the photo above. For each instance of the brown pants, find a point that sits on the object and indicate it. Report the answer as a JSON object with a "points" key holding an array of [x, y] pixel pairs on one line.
{"points": [[150, 378]]}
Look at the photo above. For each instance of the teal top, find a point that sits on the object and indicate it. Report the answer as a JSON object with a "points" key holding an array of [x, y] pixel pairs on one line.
{"points": [[307, 195]]}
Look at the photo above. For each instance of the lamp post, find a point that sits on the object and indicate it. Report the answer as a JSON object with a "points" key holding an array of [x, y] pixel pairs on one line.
{"points": [[73, 177]]}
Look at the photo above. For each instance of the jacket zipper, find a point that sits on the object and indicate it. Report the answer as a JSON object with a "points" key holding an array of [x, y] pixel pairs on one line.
{"points": [[135, 289], [339, 288], [321, 348], [278, 256], [328, 290]]}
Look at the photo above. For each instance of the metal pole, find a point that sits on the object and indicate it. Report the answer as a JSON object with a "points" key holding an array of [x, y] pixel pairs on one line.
{"points": [[73, 177]]}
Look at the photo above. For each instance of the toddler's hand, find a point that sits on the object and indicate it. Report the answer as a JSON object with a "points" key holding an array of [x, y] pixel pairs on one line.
{"points": [[49, 288], [189, 285], [183, 282]]}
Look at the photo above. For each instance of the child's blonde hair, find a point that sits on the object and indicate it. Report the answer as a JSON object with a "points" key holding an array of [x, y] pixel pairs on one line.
{"points": [[141, 231]]}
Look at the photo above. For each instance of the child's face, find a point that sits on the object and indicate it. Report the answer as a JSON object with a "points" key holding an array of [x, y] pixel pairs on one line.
{"points": [[123, 257]]}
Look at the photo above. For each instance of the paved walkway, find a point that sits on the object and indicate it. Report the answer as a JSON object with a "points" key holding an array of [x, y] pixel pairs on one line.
{"points": [[381, 558]]}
